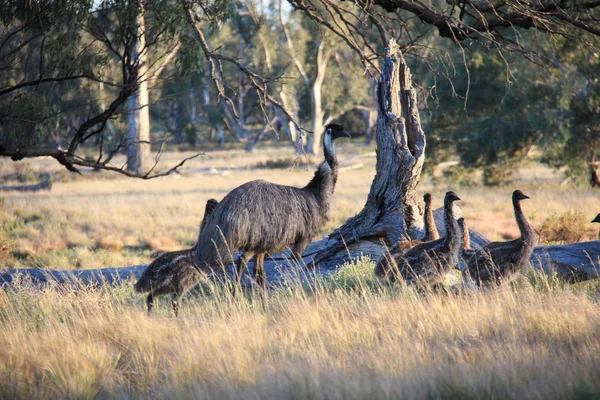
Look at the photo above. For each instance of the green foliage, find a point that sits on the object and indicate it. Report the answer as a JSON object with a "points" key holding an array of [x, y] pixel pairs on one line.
{"points": [[495, 123]]}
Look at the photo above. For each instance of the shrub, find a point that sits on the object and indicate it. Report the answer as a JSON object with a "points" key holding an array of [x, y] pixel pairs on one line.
{"points": [[285, 163], [568, 227]]}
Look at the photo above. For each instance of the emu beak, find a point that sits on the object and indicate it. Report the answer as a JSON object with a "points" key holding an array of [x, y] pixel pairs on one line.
{"points": [[339, 134]]}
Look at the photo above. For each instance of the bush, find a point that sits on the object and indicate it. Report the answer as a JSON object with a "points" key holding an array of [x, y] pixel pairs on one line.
{"points": [[285, 163], [459, 176], [568, 227]]}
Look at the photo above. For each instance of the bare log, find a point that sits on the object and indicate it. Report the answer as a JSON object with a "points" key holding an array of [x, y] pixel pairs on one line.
{"points": [[45, 184], [573, 263], [108, 276]]}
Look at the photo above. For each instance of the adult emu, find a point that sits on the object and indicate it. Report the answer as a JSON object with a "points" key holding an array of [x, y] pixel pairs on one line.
{"points": [[260, 218]]}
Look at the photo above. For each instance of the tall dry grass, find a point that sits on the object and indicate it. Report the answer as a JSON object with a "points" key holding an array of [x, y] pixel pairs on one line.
{"points": [[345, 337]]}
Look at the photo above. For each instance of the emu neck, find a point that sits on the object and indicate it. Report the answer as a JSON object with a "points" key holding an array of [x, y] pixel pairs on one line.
{"points": [[431, 232], [329, 152], [466, 240], [450, 223], [524, 227], [323, 182]]}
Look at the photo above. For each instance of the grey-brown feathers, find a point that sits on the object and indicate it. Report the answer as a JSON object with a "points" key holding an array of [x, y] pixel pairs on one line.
{"points": [[172, 272], [260, 217], [499, 261], [168, 273], [428, 261]]}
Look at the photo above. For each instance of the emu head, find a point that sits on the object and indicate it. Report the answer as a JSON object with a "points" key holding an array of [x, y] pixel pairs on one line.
{"points": [[451, 197], [518, 195], [335, 131], [332, 132], [211, 204], [427, 198]]}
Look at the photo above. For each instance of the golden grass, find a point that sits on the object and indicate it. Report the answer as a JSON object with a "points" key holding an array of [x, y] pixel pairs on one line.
{"points": [[336, 342], [127, 219]]}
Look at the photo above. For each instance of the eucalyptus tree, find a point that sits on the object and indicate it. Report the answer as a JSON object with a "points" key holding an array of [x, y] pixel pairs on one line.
{"points": [[68, 68]]}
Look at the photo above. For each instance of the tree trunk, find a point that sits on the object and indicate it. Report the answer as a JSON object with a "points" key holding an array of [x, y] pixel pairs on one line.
{"points": [[594, 171], [294, 134], [44, 184], [193, 115], [572, 262], [138, 129], [316, 98], [220, 136], [391, 208]]}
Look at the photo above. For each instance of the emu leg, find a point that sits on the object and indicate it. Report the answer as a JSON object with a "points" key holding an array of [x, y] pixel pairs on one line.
{"points": [[298, 249], [175, 303], [239, 270], [150, 302], [259, 275]]}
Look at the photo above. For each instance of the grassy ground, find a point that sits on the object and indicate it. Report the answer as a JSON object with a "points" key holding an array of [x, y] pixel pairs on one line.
{"points": [[106, 220], [345, 337]]}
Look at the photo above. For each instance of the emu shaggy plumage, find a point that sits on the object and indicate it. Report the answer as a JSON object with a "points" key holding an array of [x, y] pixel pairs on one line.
{"points": [[260, 218], [431, 232], [426, 263], [498, 262], [172, 272]]}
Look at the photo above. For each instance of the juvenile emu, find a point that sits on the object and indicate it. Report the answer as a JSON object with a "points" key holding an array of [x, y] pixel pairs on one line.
{"points": [[426, 263], [431, 232], [260, 218], [172, 272], [499, 261], [597, 219]]}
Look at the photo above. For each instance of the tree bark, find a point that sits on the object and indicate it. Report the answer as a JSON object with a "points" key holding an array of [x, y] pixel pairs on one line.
{"points": [[391, 206], [193, 115], [573, 263], [594, 170], [316, 99], [138, 121]]}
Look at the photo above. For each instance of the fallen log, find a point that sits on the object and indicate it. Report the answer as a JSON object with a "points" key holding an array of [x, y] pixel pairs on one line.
{"points": [[572, 262], [43, 185]]}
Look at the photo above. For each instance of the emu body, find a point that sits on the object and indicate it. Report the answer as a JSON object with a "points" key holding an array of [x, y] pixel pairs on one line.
{"points": [[260, 218], [427, 262], [172, 272], [497, 262]]}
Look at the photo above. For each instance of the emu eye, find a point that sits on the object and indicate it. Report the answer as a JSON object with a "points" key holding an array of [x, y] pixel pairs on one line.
{"points": [[328, 131]]}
